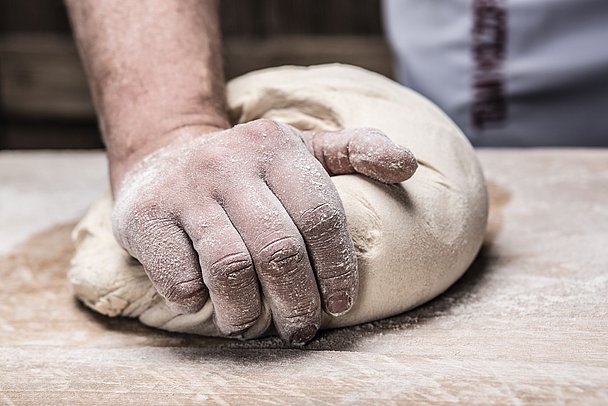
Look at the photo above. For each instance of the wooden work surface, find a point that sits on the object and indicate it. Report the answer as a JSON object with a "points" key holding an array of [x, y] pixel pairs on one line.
{"points": [[528, 323]]}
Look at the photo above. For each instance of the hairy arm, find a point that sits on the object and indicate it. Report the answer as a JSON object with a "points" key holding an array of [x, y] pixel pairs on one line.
{"points": [[154, 68]]}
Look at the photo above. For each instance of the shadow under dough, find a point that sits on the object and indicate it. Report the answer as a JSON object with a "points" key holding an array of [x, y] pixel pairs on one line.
{"points": [[48, 254]]}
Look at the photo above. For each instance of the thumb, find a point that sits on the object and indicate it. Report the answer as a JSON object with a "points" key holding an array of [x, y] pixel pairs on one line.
{"points": [[367, 151]]}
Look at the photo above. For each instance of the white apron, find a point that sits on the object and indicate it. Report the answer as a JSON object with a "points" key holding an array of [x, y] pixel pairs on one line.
{"points": [[508, 72]]}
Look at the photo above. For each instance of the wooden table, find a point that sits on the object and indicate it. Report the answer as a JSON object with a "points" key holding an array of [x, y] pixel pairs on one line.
{"points": [[528, 323]]}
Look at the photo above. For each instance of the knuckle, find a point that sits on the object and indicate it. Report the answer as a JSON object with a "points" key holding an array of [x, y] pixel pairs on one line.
{"points": [[265, 124], [266, 129], [231, 269], [184, 291], [149, 236], [303, 314], [338, 270], [283, 255], [214, 159], [323, 221], [145, 210], [143, 217], [343, 275], [158, 226]]}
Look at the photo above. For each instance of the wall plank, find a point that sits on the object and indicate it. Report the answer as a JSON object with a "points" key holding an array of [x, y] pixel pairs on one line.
{"points": [[41, 75], [42, 85]]}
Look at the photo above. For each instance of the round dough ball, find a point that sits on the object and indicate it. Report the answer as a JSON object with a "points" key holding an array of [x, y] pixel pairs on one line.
{"points": [[413, 240]]}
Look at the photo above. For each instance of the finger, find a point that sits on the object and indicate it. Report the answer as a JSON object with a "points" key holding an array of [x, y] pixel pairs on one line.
{"points": [[315, 207], [280, 259], [361, 150], [167, 255], [227, 269]]}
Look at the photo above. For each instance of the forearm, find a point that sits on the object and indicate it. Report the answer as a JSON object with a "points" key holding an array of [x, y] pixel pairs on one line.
{"points": [[153, 67]]}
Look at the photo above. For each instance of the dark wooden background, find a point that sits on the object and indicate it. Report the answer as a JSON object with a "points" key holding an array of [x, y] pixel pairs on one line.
{"points": [[44, 102]]}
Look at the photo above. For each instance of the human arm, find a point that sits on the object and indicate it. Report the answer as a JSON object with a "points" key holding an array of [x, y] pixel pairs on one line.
{"points": [[232, 213], [154, 70]]}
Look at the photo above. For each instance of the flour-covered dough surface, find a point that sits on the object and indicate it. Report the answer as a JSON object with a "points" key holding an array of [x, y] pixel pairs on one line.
{"points": [[413, 240]]}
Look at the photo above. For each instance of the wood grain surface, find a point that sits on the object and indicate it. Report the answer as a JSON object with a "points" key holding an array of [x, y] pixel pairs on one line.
{"points": [[527, 324]]}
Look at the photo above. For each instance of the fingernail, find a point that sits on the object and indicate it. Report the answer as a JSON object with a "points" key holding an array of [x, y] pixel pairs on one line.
{"points": [[304, 335], [338, 304]]}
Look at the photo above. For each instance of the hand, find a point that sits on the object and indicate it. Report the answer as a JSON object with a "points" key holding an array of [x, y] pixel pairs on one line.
{"points": [[231, 212]]}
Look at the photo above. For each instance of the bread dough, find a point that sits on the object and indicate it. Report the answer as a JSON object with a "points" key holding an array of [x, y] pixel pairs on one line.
{"points": [[413, 240]]}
